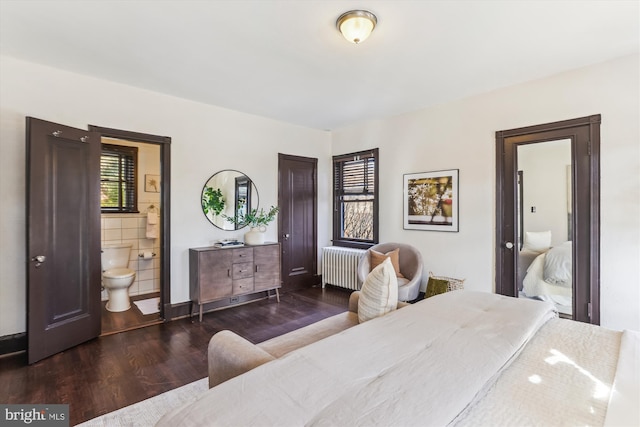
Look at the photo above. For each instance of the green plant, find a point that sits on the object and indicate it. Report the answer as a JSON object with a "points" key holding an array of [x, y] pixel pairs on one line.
{"points": [[254, 218], [212, 201]]}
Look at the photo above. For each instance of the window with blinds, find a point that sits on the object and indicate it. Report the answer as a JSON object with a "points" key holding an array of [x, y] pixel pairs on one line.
{"points": [[118, 170], [355, 199]]}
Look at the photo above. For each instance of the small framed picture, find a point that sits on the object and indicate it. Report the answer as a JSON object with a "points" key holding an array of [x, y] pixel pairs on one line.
{"points": [[431, 201], [152, 183]]}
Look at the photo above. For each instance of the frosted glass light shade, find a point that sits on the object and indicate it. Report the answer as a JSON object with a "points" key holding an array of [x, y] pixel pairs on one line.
{"points": [[356, 25]]}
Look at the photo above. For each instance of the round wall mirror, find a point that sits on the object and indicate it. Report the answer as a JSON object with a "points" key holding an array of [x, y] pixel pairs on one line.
{"points": [[228, 193]]}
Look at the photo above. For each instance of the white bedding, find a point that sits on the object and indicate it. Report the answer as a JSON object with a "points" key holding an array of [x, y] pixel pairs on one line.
{"points": [[422, 365], [563, 377], [558, 265], [624, 409], [535, 285], [461, 358]]}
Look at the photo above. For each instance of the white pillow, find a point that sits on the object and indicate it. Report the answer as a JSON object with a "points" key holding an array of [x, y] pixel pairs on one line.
{"points": [[379, 293], [558, 266], [538, 241]]}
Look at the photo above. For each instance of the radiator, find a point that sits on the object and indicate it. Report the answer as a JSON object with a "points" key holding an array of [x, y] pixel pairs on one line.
{"points": [[340, 266]]}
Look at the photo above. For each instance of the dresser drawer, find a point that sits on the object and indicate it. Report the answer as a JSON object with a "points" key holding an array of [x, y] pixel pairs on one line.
{"points": [[243, 286], [242, 270], [242, 255]]}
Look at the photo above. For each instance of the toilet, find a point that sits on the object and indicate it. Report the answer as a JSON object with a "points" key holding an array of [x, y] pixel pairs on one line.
{"points": [[116, 276]]}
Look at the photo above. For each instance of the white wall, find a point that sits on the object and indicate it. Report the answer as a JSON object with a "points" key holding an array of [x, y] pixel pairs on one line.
{"points": [[458, 135], [461, 135], [205, 139]]}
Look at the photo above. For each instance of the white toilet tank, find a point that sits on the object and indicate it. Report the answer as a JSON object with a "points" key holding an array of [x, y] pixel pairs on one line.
{"points": [[115, 255]]}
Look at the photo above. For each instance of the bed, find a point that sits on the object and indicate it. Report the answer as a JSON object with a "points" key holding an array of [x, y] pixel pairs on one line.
{"points": [[548, 275], [460, 358]]}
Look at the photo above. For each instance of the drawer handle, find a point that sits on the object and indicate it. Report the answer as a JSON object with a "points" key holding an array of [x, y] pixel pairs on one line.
{"points": [[228, 272]]}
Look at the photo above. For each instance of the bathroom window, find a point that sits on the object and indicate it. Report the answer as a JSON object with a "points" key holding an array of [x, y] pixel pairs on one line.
{"points": [[118, 184], [355, 199]]}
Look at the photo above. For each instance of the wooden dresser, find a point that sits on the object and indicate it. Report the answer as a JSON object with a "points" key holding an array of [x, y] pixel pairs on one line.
{"points": [[219, 274]]}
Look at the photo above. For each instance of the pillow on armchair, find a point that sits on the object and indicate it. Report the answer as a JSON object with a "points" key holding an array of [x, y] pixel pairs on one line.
{"points": [[376, 258], [379, 293], [410, 262]]}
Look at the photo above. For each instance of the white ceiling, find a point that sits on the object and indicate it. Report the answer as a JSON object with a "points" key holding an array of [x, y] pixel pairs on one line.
{"points": [[286, 60]]}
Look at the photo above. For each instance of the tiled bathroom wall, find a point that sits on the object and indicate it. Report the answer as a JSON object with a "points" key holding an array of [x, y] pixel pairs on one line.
{"points": [[132, 228]]}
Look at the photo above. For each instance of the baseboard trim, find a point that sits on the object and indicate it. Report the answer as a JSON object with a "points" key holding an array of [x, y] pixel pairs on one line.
{"points": [[317, 280], [177, 311], [13, 343]]}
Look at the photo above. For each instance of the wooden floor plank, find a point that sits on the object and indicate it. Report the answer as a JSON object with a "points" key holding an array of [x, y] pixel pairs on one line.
{"points": [[117, 370]]}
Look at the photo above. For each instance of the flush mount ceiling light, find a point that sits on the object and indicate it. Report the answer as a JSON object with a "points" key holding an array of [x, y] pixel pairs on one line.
{"points": [[356, 25]]}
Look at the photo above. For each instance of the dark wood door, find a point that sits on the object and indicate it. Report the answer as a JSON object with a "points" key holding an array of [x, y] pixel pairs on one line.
{"points": [[63, 237], [584, 134], [297, 220]]}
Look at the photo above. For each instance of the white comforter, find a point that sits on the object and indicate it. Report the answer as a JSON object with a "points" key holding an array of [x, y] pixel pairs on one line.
{"points": [[563, 377], [535, 285], [421, 365]]}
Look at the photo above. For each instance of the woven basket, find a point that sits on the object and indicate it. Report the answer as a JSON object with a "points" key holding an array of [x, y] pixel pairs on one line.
{"points": [[454, 284]]}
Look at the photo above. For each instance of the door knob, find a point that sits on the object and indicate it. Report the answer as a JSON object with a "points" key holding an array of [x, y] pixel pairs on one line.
{"points": [[39, 259], [508, 245], [286, 236]]}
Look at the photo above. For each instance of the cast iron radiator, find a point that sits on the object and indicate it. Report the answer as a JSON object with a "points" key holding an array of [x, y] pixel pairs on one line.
{"points": [[340, 266]]}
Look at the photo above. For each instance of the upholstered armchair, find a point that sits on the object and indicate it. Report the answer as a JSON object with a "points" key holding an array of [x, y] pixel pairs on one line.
{"points": [[411, 266]]}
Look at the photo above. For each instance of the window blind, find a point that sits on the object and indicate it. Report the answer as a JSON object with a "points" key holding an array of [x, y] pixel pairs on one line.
{"points": [[354, 174], [118, 169]]}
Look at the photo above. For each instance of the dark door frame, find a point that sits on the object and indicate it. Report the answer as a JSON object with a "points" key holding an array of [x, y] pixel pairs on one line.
{"points": [[165, 207], [584, 133]]}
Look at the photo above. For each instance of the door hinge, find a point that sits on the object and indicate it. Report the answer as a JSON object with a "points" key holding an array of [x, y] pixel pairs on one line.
{"points": [[588, 148], [589, 310]]}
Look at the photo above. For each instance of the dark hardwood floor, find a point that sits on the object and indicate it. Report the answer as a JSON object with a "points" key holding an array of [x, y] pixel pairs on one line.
{"points": [[117, 370]]}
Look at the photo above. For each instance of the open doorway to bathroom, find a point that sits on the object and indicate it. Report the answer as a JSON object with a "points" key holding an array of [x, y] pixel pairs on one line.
{"points": [[134, 215]]}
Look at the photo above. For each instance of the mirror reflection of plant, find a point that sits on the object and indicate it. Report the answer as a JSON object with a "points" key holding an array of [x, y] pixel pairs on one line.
{"points": [[253, 218], [212, 201]]}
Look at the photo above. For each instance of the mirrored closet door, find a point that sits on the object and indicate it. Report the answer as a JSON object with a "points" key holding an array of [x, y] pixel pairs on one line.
{"points": [[544, 247], [547, 215]]}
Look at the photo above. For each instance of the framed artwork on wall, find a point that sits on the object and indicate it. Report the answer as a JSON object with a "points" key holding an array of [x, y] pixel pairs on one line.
{"points": [[431, 201], [152, 183]]}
